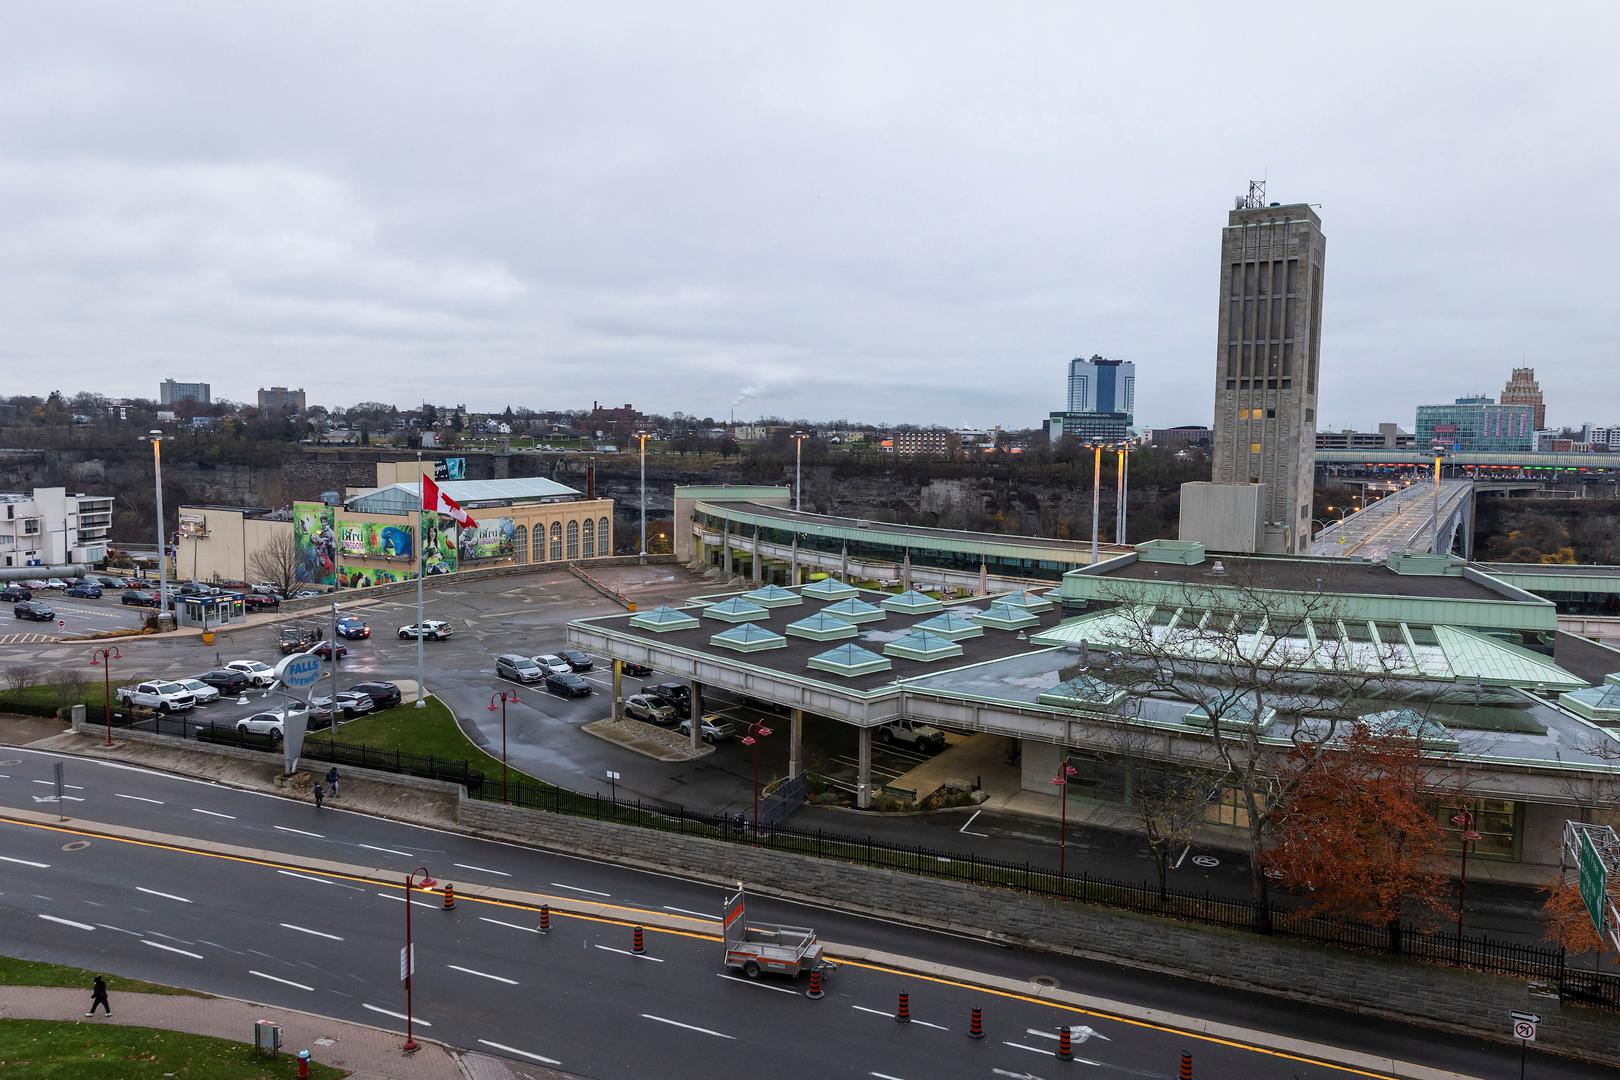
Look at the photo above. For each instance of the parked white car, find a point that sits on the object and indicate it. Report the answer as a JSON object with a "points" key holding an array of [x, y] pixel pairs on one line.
{"points": [[553, 664], [200, 690], [263, 723], [258, 673], [165, 697]]}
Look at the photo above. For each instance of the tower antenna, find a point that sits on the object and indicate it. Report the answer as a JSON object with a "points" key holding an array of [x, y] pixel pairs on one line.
{"points": [[1257, 195]]}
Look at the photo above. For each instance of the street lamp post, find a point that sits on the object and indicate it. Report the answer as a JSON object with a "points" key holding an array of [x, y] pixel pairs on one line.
{"points": [[503, 697], [1096, 497], [798, 470], [156, 438], [408, 960], [1066, 769], [1439, 455], [1120, 511], [643, 436], [1464, 820], [756, 731], [103, 658]]}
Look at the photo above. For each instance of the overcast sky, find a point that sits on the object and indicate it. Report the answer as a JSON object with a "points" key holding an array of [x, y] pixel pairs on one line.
{"points": [[906, 212]]}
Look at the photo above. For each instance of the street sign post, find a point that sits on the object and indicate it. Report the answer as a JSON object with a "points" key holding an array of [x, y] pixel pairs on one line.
{"points": [[1594, 881], [613, 783]]}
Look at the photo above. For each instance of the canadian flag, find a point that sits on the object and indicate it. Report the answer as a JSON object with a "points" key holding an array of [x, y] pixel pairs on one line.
{"points": [[437, 501]]}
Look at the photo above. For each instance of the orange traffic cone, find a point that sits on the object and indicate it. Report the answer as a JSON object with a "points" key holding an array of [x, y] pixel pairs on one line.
{"points": [[1065, 1047], [449, 897], [545, 918], [638, 945], [815, 990], [1186, 1066], [903, 1012], [976, 1023]]}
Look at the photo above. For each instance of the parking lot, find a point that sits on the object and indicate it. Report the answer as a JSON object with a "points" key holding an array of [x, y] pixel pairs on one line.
{"points": [[74, 616]]}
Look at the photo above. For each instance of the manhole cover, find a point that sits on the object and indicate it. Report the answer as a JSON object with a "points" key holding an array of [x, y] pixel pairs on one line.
{"points": [[1206, 860], [76, 845], [1045, 980]]}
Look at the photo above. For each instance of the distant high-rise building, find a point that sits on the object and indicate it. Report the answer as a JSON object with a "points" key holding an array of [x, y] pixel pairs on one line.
{"points": [[1522, 389], [1102, 386], [173, 393], [1476, 423], [1268, 347], [281, 399]]}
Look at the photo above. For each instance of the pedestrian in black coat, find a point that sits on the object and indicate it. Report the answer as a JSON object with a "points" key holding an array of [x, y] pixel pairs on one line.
{"points": [[332, 779], [98, 996], [320, 793]]}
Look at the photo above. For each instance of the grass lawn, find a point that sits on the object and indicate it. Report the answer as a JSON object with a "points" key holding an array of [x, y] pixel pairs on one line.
{"points": [[14, 972], [46, 701], [430, 731], [71, 1050]]}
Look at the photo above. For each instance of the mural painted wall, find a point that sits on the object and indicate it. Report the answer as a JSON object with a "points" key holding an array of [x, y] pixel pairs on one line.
{"points": [[371, 540], [440, 545], [360, 577], [491, 538], [315, 541]]}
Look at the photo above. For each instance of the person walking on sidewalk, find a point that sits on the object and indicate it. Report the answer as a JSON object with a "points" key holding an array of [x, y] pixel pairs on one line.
{"points": [[332, 779], [98, 996], [320, 794]]}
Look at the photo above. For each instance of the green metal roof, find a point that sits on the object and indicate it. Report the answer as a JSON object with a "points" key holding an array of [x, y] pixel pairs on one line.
{"points": [[1006, 617], [856, 611], [948, 624], [911, 602], [1027, 600], [663, 619], [1597, 703], [921, 645], [829, 589], [748, 637], [850, 660], [1083, 692], [735, 609], [1476, 657], [773, 596], [822, 627]]}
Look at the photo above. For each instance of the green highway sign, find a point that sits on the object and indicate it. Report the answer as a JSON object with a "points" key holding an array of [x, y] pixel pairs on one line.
{"points": [[1594, 882]]}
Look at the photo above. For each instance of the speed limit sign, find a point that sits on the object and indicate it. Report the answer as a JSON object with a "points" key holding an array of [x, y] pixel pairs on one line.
{"points": [[1524, 1030]]}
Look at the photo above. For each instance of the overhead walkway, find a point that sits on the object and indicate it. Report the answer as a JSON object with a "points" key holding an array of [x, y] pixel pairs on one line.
{"points": [[1404, 521]]}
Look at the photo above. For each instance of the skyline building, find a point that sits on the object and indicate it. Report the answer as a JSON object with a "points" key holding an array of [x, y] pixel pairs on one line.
{"points": [[171, 392], [1103, 386], [1522, 389]]}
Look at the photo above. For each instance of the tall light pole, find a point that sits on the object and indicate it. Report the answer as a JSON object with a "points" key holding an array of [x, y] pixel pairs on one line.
{"points": [[1464, 820], [1124, 450], [1439, 455], [643, 436], [421, 572], [104, 658], [407, 964], [756, 731], [1066, 769], [156, 438], [1096, 497], [798, 470], [502, 698]]}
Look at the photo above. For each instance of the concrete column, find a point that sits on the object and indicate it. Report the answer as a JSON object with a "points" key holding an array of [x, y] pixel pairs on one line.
{"points": [[793, 565], [725, 557], [844, 561], [984, 580], [796, 743], [697, 715], [759, 568], [618, 689], [863, 771], [905, 573]]}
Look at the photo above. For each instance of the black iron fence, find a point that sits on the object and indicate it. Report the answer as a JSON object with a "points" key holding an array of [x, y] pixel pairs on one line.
{"points": [[1543, 963]]}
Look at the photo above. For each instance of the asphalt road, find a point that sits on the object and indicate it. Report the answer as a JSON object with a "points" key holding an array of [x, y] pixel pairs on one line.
{"points": [[313, 941], [1402, 521], [74, 616]]}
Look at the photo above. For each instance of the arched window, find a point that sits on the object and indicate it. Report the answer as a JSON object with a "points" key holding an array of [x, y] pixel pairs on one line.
{"points": [[539, 543], [556, 541], [590, 539], [520, 544], [604, 537], [573, 539]]}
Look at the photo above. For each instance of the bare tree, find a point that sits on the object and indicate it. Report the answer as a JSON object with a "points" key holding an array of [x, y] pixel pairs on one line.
{"points": [[277, 563], [22, 676], [1268, 673], [69, 684]]}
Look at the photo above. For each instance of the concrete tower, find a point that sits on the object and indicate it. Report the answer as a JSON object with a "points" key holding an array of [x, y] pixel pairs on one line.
{"points": [[1266, 357]]}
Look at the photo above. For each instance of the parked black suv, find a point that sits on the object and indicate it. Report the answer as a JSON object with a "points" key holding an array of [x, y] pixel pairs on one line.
{"points": [[677, 694], [33, 609], [225, 680], [14, 593], [577, 660], [139, 598], [84, 590], [569, 685], [385, 694]]}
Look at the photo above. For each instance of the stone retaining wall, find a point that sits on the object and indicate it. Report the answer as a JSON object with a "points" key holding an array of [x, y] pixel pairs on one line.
{"points": [[1448, 998]]}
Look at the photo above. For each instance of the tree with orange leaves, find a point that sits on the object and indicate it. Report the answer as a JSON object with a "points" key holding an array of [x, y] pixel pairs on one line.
{"points": [[1358, 829], [1568, 923]]}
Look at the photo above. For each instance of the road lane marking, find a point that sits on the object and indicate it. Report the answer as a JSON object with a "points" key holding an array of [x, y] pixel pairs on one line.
{"points": [[418, 903], [213, 813], [395, 1015], [166, 896], [883, 1076], [874, 1012], [755, 982], [482, 974], [576, 888], [1031, 1049], [312, 933], [695, 914], [688, 1027], [514, 1050], [284, 982], [171, 948], [52, 783], [26, 862], [511, 925], [300, 832], [67, 922], [387, 850], [627, 952], [306, 877], [120, 929], [171, 937], [964, 829], [1079, 1034], [138, 798], [482, 869]]}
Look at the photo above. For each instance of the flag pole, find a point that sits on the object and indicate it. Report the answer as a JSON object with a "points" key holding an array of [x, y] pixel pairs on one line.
{"points": [[421, 572]]}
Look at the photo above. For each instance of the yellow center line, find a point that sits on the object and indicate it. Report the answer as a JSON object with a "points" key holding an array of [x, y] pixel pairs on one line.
{"points": [[700, 936]]}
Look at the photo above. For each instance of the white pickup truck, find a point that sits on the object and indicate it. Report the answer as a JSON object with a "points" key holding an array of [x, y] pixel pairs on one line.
{"points": [[165, 697]]}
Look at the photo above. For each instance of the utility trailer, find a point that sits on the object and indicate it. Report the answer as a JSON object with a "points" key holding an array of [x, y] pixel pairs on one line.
{"points": [[756, 948]]}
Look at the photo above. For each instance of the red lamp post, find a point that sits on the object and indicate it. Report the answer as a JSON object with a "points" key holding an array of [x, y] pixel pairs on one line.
{"points": [[1464, 820], [1065, 770], [756, 731], [503, 697], [407, 961], [103, 659]]}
